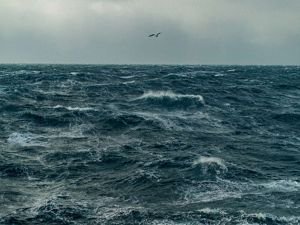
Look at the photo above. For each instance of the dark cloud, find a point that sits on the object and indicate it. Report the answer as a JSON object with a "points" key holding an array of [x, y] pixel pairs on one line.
{"points": [[115, 31]]}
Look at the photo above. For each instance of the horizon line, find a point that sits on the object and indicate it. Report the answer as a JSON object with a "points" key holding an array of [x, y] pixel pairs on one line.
{"points": [[145, 64]]}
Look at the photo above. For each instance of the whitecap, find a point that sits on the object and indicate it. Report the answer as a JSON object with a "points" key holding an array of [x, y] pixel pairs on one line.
{"points": [[128, 77], [129, 82], [70, 108], [177, 75], [219, 75], [169, 94], [205, 160]]}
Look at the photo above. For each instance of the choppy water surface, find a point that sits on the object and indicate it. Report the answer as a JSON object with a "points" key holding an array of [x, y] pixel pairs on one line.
{"points": [[149, 145]]}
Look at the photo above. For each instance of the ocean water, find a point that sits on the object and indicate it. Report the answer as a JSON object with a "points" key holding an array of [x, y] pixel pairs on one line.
{"points": [[158, 145]]}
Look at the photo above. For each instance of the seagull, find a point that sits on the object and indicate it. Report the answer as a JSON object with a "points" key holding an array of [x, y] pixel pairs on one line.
{"points": [[155, 35]]}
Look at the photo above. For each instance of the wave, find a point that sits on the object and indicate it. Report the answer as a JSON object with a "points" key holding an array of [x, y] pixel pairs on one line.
{"points": [[164, 121]]}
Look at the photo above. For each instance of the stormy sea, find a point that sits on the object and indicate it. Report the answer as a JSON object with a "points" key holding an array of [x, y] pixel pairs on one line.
{"points": [[152, 144]]}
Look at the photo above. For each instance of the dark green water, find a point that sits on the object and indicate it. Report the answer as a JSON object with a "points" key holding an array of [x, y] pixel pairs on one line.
{"points": [[149, 145]]}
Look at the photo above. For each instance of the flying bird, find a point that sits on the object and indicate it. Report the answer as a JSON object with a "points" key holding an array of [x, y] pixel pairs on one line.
{"points": [[155, 35]]}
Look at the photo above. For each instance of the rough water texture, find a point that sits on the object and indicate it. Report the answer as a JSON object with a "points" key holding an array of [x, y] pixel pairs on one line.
{"points": [[85, 144]]}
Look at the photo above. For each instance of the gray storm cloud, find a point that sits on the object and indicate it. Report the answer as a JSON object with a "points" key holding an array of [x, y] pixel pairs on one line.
{"points": [[115, 31]]}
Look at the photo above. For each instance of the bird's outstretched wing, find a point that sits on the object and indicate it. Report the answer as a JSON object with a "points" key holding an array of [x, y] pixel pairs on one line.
{"points": [[157, 34], [151, 35]]}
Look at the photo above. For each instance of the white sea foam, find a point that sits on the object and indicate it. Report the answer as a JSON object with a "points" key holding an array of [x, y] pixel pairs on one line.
{"points": [[75, 133], [74, 108], [170, 222], [212, 211], [26, 139], [215, 191], [224, 189], [242, 218], [291, 220], [169, 94], [107, 213], [198, 195], [282, 186]]}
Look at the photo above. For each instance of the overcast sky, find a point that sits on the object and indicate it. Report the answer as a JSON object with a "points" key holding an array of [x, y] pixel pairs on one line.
{"points": [[115, 31]]}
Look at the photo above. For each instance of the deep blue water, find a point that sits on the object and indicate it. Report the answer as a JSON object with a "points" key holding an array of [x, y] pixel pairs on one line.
{"points": [[213, 145]]}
